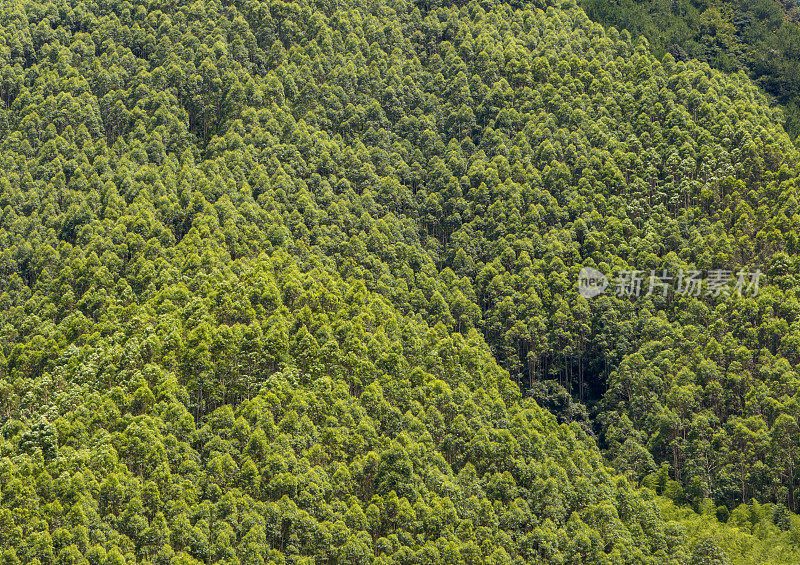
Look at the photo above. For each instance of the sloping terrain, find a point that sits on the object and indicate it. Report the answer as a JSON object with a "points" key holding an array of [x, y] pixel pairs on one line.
{"points": [[759, 37], [277, 279]]}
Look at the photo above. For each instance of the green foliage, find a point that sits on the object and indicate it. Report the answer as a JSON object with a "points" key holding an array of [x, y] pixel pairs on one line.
{"points": [[751, 541], [283, 282], [760, 37]]}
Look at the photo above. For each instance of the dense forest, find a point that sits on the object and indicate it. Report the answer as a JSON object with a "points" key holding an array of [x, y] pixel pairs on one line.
{"points": [[296, 282], [761, 37]]}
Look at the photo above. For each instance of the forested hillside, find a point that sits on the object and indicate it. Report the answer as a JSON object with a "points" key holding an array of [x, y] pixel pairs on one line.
{"points": [[296, 282], [760, 37]]}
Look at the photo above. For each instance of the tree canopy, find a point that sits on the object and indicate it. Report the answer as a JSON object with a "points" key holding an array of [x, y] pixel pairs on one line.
{"points": [[295, 282]]}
